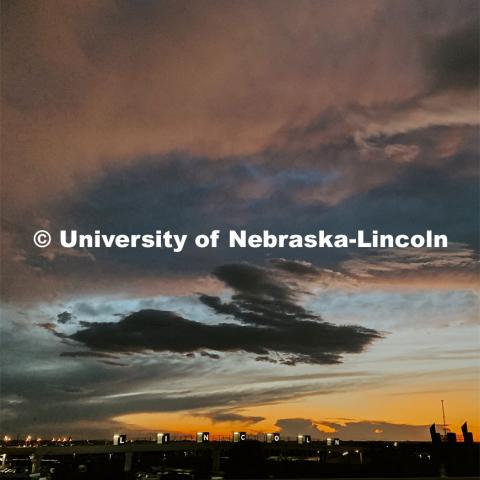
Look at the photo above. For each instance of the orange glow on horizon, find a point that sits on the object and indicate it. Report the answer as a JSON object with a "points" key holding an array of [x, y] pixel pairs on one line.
{"points": [[180, 424], [410, 409]]}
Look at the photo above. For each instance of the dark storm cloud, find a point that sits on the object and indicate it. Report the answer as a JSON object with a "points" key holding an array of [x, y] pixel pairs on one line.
{"points": [[271, 324], [160, 331], [252, 280], [420, 198], [260, 298], [64, 317], [455, 59]]}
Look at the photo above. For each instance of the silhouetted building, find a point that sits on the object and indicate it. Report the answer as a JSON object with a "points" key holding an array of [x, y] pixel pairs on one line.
{"points": [[467, 436], [436, 438], [451, 437]]}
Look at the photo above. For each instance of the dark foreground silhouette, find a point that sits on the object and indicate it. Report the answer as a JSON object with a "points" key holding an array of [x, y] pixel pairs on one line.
{"points": [[247, 460]]}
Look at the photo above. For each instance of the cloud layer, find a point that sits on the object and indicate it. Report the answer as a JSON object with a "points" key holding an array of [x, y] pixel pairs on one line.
{"points": [[272, 325], [352, 430]]}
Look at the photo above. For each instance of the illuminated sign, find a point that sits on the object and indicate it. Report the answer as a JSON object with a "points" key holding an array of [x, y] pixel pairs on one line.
{"points": [[333, 441], [273, 437], [119, 439], [203, 437], [304, 439], [239, 437], [163, 437]]}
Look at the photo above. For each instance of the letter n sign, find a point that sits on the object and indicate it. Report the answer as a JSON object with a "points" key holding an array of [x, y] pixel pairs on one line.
{"points": [[203, 437]]}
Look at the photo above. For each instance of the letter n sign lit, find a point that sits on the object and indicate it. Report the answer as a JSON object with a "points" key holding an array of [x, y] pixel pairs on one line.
{"points": [[203, 437]]}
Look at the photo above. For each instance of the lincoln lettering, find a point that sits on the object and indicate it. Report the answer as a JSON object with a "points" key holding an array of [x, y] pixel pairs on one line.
{"points": [[374, 239]]}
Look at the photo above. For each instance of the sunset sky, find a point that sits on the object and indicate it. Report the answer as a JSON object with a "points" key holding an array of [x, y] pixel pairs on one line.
{"points": [[291, 116]]}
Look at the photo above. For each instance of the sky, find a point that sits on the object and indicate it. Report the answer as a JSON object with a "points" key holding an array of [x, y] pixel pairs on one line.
{"points": [[284, 116]]}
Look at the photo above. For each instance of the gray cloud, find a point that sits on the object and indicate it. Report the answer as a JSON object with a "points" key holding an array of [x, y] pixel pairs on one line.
{"points": [[340, 121], [368, 430], [299, 341], [271, 323], [345, 178], [353, 430], [79, 409], [291, 427], [218, 416], [252, 280]]}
